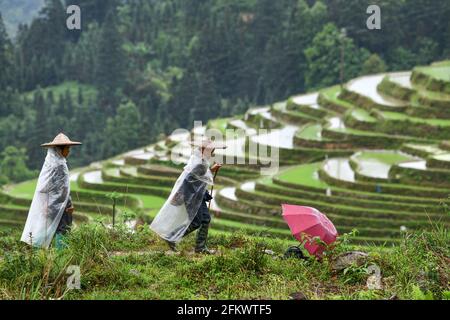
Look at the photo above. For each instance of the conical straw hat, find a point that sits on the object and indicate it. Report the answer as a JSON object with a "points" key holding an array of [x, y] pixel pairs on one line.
{"points": [[208, 143], [61, 140]]}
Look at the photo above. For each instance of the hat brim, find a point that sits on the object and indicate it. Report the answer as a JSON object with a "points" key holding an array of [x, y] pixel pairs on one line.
{"points": [[72, 143], [212, 145]]}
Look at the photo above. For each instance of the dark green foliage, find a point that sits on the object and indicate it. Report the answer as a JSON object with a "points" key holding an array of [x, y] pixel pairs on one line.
{"points": [[324, 56], [41, 47], [123, 129], [123, 265], [374, 64], [110, 62], [92, 10], [180, 61], [19, 12], [12, 165], [6, 60]]}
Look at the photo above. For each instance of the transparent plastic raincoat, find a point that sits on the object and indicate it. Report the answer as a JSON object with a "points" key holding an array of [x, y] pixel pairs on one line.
{"points": [[49, 201], [185, 199]]}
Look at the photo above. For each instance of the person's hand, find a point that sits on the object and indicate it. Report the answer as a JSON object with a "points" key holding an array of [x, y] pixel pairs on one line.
{"points": [[70, 210], [216, 167]]}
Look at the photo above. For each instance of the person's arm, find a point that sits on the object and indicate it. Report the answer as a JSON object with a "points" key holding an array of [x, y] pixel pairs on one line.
{"points": [[69, 206], [216, 167]]}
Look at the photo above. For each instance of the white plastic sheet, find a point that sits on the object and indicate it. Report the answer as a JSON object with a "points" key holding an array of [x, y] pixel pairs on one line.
{"points": [[49, 201], [185, 199]]}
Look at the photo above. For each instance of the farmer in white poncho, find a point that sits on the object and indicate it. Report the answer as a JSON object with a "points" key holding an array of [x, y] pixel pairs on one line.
{"points": [[186, 210], [51, 209]]}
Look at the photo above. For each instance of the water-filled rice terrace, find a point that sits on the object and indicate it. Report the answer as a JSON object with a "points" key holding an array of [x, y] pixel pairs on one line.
{"points": [[373, 155]]}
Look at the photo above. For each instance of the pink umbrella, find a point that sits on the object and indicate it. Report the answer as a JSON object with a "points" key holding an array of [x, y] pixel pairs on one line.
{"points": [[306, 223]]}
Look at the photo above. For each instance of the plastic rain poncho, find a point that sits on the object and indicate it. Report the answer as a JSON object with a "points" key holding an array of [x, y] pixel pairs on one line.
{"points": [[185, 199], [49, 201]]}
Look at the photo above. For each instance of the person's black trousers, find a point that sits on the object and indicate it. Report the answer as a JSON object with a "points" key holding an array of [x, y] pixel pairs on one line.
{"points": [[201, 223]]}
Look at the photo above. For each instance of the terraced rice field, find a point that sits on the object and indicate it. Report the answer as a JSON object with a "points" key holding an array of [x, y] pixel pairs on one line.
{"points": [[374, 156]]}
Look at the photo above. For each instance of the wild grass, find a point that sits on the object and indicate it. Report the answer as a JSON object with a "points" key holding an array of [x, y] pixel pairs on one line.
{"points": [[118, 264]]}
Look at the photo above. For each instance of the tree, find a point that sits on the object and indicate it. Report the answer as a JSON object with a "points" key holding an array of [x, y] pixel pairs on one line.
{"points": [[324, 56], [122, 131], [13, 165], [80, 59], [402, 58], [446, 54], [93, 10], [374, 65], [229, 55], [6, 75], [427, 50], [206, 102], [183, 98], [54, 15], [303, 24], [41, 47], [110, 64], [266, 24], [42, 129]]}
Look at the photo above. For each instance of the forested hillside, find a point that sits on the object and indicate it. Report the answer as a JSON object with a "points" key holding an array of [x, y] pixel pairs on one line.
{"points": [[144, 67], [18, 12]]}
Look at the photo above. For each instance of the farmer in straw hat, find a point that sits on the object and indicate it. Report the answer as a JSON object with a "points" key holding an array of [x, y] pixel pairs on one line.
{"points": [[186, 210], [51, 209]]}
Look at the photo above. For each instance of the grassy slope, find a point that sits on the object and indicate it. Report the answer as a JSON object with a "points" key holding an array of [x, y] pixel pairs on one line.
{"points": [[363, 115], [219, 124], [19, 12], [118, 265], [441, 72], [25, 189], [89, 92], [305, 174], [332, 94], [311, 132]]}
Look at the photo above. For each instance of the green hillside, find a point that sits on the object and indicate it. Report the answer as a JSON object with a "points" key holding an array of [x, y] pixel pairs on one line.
{"points": [[19, 12]]}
